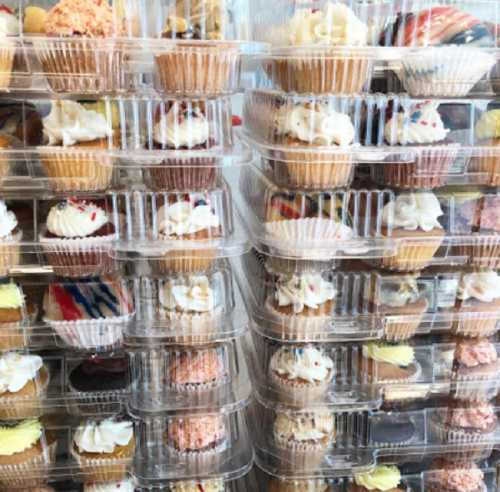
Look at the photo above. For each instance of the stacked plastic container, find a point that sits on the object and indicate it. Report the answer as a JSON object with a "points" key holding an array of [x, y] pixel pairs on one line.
{"points": [[120, 325], [373, 211]]}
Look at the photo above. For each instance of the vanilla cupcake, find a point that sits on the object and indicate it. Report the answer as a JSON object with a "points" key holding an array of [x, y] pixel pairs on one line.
{"points": [[10, 237], [488, 136], [14, 333]]}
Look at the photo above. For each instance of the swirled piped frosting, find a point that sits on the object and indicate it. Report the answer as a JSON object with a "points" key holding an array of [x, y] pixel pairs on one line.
{"points": [[473, 354], [75, 218], [216, 485], [193, 294], [488, 126], [103, 436], [11, 296], [180, 127], [9, 23], [8, 221], [421, 124], [413, 211], [19, 437], [301, 291], [16, 370], [481, 286], [313, 426], [186, 217], [123, 486], [69, 123], [397, 355], [461, 478], [306, 363], [380, 478], [398, 294], [315, 124], [482, 416]]}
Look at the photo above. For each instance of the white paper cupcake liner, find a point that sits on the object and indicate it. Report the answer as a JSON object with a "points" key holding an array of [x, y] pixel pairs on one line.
{"points": [[476, 387], [10, 252], [102, 469], [298, 391], [203, 459], [301, 456], [443, 433], [200, 387]]}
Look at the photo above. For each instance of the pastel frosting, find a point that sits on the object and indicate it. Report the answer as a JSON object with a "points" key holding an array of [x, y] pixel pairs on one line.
{"points": [[476, 354], [306, 363], [75, 218], [421, 124], [193, 294], [481, 286], [397, 355], [8, 221], [123, 486], [9, 23], [459, 478], [11, 296], [180, 127], [216, 485], [481, 416], [16, 370], [488, 126], [399, 294], [190, 433], [314, 426], [315, 125], [103, 436], [380, 478], [413, 211], [69, 123], [19, 437]]}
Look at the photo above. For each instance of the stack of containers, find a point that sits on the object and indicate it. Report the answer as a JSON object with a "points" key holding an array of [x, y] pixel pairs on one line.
{"points": [[373, 211], [121, 363]]}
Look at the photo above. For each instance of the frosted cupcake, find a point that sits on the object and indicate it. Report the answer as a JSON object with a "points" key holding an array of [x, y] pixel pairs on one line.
{"points": [[412, 222], [121, 486], [301, 373], [215, 485], [104, 449], [314, 136], [487, 133], [381, 479], [9, 27], [78, 239], [75, 157], [477, 305], [24, 380], [421, 128], [10, 237], [454, 477], [14, 333]]}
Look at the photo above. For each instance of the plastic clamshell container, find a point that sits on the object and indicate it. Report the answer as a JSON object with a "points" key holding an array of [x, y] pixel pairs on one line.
{"points": [[354, 306], [357, 441], [209, 378]]}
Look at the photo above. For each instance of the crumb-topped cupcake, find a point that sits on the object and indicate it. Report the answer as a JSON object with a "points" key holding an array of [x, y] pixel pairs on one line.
{"points": [[381, 478], [215, 485], [450, 476], [487, 133], [14, 333], [10, 237], [78, 238]]}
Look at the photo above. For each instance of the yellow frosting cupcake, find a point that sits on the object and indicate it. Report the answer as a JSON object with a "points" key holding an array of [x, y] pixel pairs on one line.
{"points": [[381, 478]]}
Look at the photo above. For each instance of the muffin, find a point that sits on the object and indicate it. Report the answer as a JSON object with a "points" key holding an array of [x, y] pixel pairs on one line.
{"points": [[298, 485], [9, 28], [24, 446], [303, 438], [75, 158], [411, 221], [122, 486], [421, 128], [327, 47], [69, 54], [78, 239], [183, 127], [104, 449], [301, 373], [487, 133], [450, 476], [313, 136], [10, 237], [477, 303], [24, 380], [88, 314], [13, 316], [381, 478], [215, 485]]}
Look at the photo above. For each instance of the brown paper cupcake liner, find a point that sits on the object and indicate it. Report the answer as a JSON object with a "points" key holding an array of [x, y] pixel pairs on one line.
{"points": [[14, 335], [475, 327], [10, 253], [105, 469], [488, 164], [400, 331], [188, 261], [483, 253], [7, 55], [412, 256], [300, 392]]}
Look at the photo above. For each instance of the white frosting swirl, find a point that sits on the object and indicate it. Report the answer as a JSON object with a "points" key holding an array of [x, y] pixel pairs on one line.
{"points": [[185, 217], [75, 219], [181, 128], [193, 295], [16, 370], [420, 124], [123, 486], [8, 220], [412, 211], [483, 286], [315, 125], [299, 291], [69, 123], [304, 426], [9, 24], [335, 24], [306, 363], [104, 436]]}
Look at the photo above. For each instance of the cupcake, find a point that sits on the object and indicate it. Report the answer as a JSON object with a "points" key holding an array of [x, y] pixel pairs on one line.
{"points": [[203, 63], [198, 439], [183, 127], [381, 478], [326, 45], [411, 221], [215, 485], [104, 449], [121, 486], [303, 438], [421, 128], [13, 315], [454, 477], [88, 314], [75, 158], [301, 304], [25, 446], [487, 132], [313, 136], [451, 62], [191, 308], [78, 239], [299, 485], [301, 373], [9, 27], [24, 380], [477, 304], [190, 220], [78, 54], [10, 237]]}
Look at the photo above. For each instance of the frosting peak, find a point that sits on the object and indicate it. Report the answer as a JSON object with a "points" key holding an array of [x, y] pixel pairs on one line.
{"points": [[16, 370], [398, 355], [195, 294], [8, 221], [19, 437], [11, 296], [381, 478], [481, 286], [104, 436]]}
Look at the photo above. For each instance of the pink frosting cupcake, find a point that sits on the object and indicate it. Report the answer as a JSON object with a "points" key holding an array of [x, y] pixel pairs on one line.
{"points": [[454, 477]]}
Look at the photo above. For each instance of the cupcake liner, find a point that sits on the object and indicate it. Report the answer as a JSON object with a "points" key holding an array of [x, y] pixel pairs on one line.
{"points": [[445, 434], [300, 455], [14, 335], [400, 331], [411, 256], [7, 54], [96, 402], [199, 387], [475, 327], [10, 253], [475, 388], [80, 66], [277, 265], [198, 71], [185, 261], [300, 392], [444, 71], [488, 163], [204, 459], [484, 252]]}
